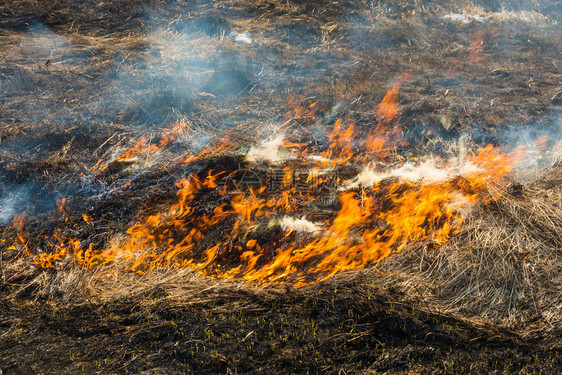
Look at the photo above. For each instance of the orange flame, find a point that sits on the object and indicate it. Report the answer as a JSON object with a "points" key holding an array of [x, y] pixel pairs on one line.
{"points": [[370, 225], [244, 232], [60, 206], [388, 111], [20, 243], [87, 219]]}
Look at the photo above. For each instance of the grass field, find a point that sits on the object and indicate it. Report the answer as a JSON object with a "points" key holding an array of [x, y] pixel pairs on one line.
{"points": [[129, 131]]}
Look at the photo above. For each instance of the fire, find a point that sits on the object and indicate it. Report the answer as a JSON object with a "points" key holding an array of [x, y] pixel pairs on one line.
{"points": [[388, 111], [20, 243], [300, 111], [60, 207], [299, 227], [370, 225], [167, 136]]}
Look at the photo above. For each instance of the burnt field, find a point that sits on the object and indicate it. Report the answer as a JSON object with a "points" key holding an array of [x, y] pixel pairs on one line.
{"points": [[280, 187]]}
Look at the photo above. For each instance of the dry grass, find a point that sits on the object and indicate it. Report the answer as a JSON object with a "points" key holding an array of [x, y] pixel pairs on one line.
{"points": [[494, 287], [503, 267], [84, 81]]}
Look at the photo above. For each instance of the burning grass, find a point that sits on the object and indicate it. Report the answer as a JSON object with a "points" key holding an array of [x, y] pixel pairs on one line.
{"points": [[391, 210], [466, 234], [325, 198], [406, 312]]}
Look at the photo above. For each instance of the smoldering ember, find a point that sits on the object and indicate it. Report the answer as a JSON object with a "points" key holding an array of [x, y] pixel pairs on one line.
{"points": [[280, 187]]}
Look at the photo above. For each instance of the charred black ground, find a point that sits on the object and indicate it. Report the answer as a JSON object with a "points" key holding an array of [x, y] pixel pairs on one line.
{"points": [[83, 81]]}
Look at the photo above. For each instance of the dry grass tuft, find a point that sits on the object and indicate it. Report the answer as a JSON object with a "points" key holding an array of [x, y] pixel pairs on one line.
{"points": [[503, 267]]}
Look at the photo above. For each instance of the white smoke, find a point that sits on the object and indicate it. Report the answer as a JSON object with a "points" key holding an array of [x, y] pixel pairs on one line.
{"points": [[13, 203], [269, 151], [431, 170], [243, 38], [302, 225]]}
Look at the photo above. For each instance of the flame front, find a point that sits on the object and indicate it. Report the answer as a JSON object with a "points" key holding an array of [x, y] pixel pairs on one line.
{"points": [[370, 224], [312, 224]]}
